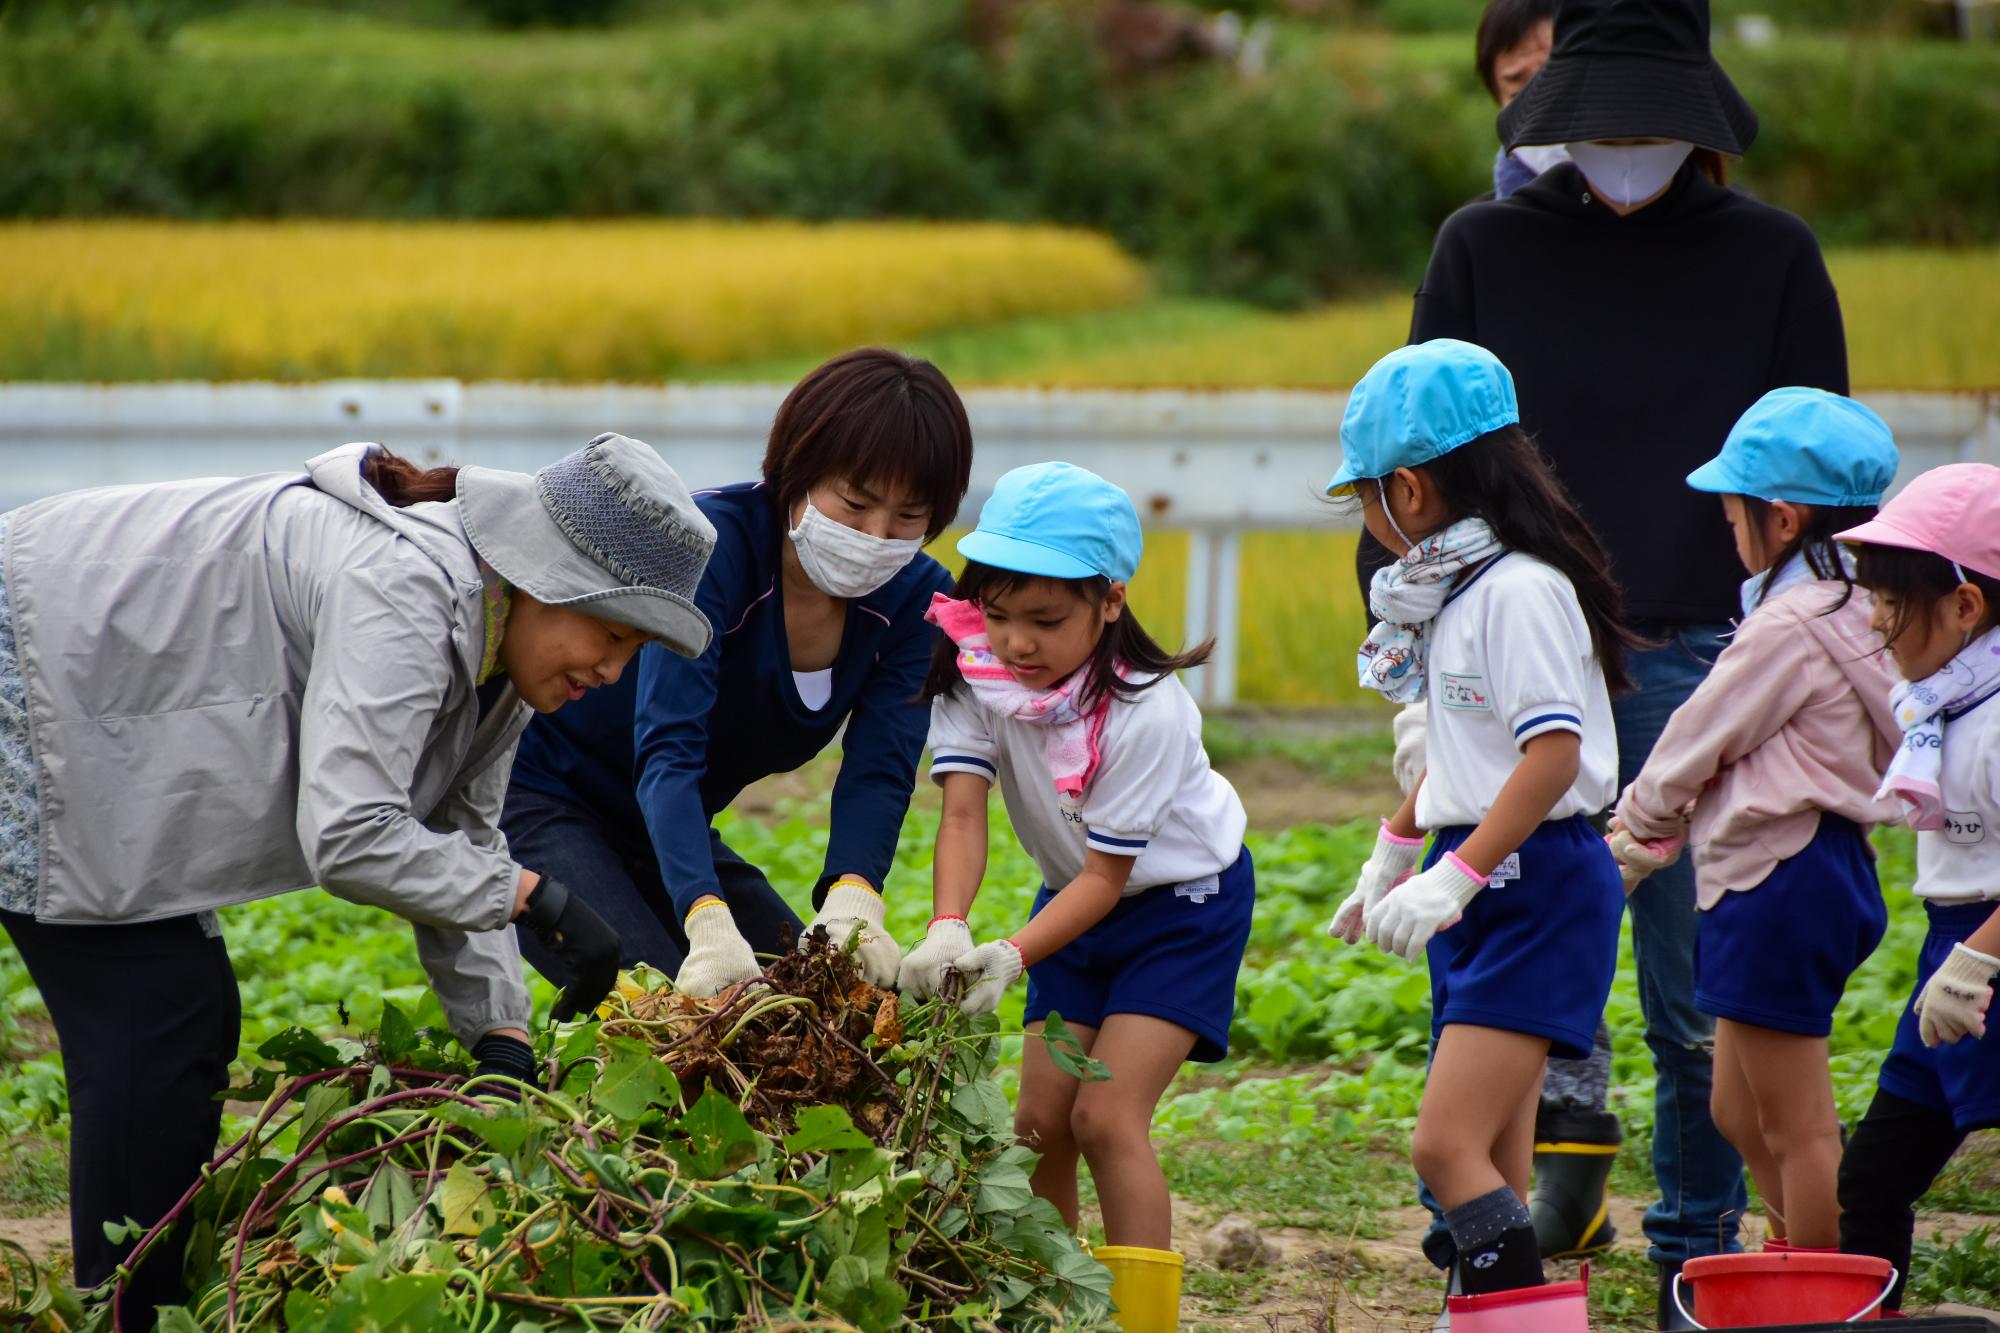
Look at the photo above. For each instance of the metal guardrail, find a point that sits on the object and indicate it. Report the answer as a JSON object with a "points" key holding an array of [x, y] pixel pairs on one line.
{"points": [[1216, 464]]}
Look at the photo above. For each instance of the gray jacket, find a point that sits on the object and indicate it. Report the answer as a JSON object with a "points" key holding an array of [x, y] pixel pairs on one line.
{"points": [[238, 688]]}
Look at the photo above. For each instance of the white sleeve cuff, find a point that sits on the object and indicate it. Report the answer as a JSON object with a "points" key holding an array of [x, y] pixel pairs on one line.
{"points": [[960, 761], [1541, 719], [1115, 844]]}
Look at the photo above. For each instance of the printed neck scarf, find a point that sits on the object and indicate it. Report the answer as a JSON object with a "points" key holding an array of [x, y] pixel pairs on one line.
{"points": [[1075, 724], [1405, 598], [1918, 705], [499, 600]]}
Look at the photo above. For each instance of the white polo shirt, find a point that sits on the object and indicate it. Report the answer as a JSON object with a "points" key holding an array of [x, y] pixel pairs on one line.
{"points": [[1510, 660], [1154, 797], [1961, 861]]}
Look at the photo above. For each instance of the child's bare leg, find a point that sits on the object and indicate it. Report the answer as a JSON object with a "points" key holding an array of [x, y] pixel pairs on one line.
{"points": [[1733, 1105], [1042, 1116], [1473, 1146], [1788, 1077], [1112, 1123]]}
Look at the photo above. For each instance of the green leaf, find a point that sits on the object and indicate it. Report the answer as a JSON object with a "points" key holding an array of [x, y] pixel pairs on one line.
{"points": [[851, 1289], [983, 1107], [503, 1132], [855, 1167], [1003, 1183], [300, 1052], [324, 1101], [176, 1319], [404, 1300], [399, 1034], [823, 1129], [390, 1197], [463, 1206], [719, 1139], [1066, 1053], [633, 1080]]}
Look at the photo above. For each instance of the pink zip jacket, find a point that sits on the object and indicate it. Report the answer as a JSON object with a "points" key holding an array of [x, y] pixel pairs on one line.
{"points": [[1793, 720]]}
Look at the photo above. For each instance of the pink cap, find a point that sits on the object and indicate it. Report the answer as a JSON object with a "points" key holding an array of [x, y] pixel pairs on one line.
{"points": [[1952, 511]]}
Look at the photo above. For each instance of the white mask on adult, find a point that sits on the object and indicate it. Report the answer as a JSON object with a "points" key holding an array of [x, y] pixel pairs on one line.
{"points": [[847, 562], [1626, 174]]}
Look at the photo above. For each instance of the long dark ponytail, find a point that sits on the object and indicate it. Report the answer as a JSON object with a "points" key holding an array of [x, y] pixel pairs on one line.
{"points": [[1503, 478], [1124, 643], [403, 483]]}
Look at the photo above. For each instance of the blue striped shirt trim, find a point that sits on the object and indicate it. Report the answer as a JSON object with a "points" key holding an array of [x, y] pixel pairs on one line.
{"points": [[972, 759], [1109, 841], [1545, 719]]}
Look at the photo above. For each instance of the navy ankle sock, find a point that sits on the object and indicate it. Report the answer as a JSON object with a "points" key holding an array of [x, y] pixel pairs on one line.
{"points": [[1495, 1236]]}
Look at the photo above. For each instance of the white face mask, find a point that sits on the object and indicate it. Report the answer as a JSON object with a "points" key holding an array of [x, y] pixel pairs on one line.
{"points": [[846, 562], [1628, 173], [1540, 157]]}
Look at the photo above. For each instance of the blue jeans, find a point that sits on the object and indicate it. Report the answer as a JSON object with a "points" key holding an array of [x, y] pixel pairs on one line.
{"points": [[619, 876], [1702, 1191]]}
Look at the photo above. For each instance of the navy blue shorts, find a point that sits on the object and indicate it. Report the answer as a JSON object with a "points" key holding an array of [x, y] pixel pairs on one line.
{"points": [[1535, 952], [1778, 956], [1171, 952], [1962, 1079]]}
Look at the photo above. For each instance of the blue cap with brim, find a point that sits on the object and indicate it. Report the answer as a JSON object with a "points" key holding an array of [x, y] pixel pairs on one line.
{"points": [[1418, 404], [1059, 521], [1806, 446]]}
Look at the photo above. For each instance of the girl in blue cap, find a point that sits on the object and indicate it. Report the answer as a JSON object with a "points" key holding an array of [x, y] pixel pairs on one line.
{"points": [[1779, 753], [1499, 612], [1049, 685]]}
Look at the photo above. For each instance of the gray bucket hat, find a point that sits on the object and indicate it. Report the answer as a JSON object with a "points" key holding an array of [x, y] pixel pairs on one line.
{"points": [[610, 531]]}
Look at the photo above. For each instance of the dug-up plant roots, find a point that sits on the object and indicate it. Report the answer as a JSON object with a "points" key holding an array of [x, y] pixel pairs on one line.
{"points": [[795, 1153]]}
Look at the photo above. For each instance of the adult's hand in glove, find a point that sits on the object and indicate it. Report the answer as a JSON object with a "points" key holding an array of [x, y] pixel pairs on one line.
{"points": [[988, 971], [498, 1053], [1393, 861], [718, 956], [946, 941], [1952, 1004], [851, 906], [582, 939], [1404, 921]]}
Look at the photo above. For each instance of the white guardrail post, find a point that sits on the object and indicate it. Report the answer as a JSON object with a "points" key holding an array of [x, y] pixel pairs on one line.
{"points": [[1214, 463]]}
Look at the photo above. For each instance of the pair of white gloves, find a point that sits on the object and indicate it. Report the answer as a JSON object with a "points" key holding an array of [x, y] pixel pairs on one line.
{"points": [[1398, 909], [718, 956]]}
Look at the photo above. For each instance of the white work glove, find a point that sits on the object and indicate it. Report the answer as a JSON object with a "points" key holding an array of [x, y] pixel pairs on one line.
{"points": [[946, 941], [850, 906], [718, 955], [1639, 857], [1952, 1004], [988, 971], [1412, 731], [1393, 861], [1404, 921]]}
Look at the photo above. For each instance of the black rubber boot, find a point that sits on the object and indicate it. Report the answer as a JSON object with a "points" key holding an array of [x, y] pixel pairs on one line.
{"points": [[1574, 1151], [1670, 1314]]}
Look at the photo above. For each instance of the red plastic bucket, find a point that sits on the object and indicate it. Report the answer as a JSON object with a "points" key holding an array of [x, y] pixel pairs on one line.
{"points": [[1559, 1307], [1752, 1290]]}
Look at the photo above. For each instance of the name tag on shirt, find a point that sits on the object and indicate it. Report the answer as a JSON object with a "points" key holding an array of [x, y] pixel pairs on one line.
{"points": [[1963, 829], [1199, 891], [1467, 693], [1506, 870]]}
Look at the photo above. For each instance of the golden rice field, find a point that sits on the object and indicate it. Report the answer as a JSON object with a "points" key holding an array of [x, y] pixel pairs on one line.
{"points": [[614, 300]]}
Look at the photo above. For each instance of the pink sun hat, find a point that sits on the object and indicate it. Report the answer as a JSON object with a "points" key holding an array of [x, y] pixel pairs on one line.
{"points": [[1951, 511]]}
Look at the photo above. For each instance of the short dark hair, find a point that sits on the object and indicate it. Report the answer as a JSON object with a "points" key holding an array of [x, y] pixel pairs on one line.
{"points": [[1918, 580], [873, 415], [1123, 647], [1504, 26]]}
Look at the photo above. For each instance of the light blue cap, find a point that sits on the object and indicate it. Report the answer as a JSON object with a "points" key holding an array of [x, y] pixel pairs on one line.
{"points": [[1807, 446], [1419, 403], [1059, 521]]}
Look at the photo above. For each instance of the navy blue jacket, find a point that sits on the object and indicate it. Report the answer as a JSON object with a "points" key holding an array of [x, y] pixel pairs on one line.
{"points": [[678, 738]]}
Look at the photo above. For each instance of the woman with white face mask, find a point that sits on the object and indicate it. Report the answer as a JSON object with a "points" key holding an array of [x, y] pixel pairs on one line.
{"points": [[817, 592], [1643, 306]]}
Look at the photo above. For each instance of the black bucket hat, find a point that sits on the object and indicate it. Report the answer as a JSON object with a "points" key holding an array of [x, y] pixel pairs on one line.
{"points": [[1630, 69]]}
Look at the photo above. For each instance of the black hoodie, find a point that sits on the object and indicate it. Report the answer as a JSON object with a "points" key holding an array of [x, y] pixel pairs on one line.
{"points": [[1635, 344]]}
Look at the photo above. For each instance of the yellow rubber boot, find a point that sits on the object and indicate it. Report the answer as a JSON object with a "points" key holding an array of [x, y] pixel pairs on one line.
{"points": [[1146, 1285]]}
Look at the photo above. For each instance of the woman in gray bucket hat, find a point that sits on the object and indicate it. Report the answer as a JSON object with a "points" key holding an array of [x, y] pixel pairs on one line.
{"points": [[215, 691]]}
